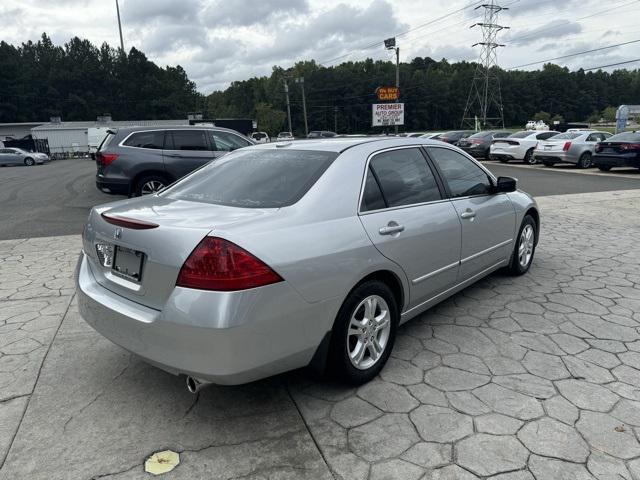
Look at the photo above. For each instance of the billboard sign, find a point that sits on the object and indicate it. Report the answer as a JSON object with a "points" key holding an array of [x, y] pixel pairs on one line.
{"points": [[388, 94], [387, 114]]}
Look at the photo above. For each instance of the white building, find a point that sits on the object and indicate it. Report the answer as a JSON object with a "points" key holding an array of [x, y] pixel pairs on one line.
{"points": [[73, 137], [16, 131]]}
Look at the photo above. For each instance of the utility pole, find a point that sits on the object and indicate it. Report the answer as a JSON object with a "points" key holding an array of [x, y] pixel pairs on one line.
{"points": [[485, 98], [390, 44], [119, 26], [286, 91], [300, 80]]}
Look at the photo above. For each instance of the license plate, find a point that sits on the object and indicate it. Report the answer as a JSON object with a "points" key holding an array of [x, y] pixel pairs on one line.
{"points": [[607, 150], [128, 263]]}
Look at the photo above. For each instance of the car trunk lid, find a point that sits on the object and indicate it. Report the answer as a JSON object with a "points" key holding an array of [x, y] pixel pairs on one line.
{"points": [[137, 247]]}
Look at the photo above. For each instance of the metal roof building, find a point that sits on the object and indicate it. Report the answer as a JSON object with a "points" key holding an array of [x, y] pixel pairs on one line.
{"points": [[73, 137], [16, 130]]}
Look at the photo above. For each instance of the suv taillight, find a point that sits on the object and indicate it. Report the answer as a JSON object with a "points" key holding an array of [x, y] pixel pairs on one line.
{"points": [[106, 158], [567, 146], [217, 264]]}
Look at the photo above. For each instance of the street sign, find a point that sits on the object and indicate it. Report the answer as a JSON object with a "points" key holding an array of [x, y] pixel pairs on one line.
{"points": [[388, 94], [386, 114]]}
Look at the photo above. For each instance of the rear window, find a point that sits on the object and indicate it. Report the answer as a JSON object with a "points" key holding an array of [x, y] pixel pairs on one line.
{"points": [[567, 136], [625, 137], [522, 134], [255, 178]]}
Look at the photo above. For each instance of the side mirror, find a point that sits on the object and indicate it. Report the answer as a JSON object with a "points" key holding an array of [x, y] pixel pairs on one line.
{"points": [[505, 185]]}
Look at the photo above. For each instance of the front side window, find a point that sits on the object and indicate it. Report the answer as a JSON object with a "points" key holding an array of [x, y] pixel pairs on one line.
{"points": [[405, 177], [463, 176], [255, 178], [153, 140], [188, 140], [227, 142]]}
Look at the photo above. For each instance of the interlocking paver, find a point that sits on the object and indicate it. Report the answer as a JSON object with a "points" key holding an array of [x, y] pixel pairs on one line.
{"points": [[495, 382]]}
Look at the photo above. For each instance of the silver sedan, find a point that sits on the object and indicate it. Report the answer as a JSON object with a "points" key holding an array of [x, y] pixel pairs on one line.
{"points": [[18, 156], [284, 255], [570, 147]]}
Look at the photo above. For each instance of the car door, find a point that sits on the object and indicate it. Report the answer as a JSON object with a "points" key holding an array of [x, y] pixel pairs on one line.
{"points": [[407, 218], [487, 219], [185, 150], [224, 142], [4, 156], [13, 157]]}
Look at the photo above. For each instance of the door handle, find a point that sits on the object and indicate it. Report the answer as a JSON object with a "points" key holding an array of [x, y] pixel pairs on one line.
{"points": [[391, 229], [468, 213]]}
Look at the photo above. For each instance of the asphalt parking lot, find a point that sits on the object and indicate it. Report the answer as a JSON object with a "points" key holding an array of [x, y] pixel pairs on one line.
{"points": [[54, 199], [528, 378]]}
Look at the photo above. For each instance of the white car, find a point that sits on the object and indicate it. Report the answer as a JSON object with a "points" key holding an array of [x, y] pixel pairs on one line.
{"points": [[260, 137], [519, 146], [284, 136]]}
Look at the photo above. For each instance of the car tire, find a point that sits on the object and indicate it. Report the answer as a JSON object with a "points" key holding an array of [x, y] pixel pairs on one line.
{"points": [[584, 161], [524, 248], [29, 162], [360, 326], [604, 168], [149, 184], [487, 154], [504, 160], [548, 164], [529, 158]]}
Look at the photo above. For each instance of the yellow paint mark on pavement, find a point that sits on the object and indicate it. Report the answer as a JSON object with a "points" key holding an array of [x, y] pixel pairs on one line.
{"points": [[162, 462]]}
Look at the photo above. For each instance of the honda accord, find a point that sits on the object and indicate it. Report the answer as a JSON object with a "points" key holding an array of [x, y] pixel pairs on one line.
{"points": [[284, 255]]}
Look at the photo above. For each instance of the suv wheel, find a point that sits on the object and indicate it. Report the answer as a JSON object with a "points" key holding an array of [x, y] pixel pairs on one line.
{"points": [[364, 333], [150, 184], [584, 161]]}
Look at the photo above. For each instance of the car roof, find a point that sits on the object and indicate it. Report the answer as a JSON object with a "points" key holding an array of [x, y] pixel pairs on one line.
{"points": [[341, 144], [127, 130]]}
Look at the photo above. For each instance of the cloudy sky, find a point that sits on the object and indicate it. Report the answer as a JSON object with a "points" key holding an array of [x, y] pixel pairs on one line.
{"points": [[219, 41]]}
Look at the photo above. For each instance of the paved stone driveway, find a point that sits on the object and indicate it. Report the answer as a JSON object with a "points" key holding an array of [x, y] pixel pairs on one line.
{"points": [[512, 379]]}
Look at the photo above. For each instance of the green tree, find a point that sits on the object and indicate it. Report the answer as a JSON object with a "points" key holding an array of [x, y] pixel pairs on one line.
{"points": [[543, 116], [269, 119], [609, 114]]}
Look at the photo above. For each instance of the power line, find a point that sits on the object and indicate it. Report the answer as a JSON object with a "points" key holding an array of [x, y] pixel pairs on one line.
{"points": [[611, 65], [574, 54]]}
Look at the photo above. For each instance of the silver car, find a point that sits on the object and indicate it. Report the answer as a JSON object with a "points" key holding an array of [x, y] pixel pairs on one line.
{"points": [[576, 147], [18, 156], [279, 256]]}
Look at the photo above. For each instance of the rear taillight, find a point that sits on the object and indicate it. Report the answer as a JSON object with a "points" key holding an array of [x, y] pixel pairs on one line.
{"points": [[567, 146], [477, 142], [106, 158], [217, 264], [598, 147], [629, 146]]}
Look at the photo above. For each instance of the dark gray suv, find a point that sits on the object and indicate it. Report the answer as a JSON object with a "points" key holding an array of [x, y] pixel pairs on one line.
{"points": [[143, 160]]}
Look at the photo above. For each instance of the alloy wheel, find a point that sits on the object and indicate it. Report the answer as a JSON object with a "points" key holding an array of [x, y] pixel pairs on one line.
{"points": [[152, 186], [368, 332], [525, 246]]}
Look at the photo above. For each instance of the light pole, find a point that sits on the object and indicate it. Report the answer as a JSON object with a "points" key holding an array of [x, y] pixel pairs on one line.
{"points": [[286, 91], [390, 44], [300, 80], [119, 26]]}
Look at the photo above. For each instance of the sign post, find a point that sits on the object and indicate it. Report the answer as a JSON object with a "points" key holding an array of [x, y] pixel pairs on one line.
{"points": [[387, 114]]}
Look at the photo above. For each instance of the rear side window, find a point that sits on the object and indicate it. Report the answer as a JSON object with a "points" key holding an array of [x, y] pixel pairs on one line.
{"points": [[463, 176], [227, 142], [372, 198], [188, 140], [105, 142], [255, 178], [153, 140], [404, 177]]}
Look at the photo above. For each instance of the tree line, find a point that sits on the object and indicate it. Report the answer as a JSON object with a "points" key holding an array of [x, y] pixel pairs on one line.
{"points": [[79, 81]]}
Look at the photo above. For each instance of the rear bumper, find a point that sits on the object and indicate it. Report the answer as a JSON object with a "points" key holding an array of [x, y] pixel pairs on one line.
{"points": [[554, 157], [115, 187], [616, 161], [224, 337]]}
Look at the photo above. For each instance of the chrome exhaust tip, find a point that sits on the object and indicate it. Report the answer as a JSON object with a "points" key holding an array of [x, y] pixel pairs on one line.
{"points": [[194, 385]]}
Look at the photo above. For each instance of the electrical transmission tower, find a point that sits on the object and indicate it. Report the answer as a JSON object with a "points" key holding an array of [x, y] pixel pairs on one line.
{"points": [[484, 103]]}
